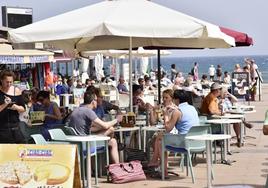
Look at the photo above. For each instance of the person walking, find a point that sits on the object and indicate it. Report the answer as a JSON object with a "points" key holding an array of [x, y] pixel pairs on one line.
{"points": [[219, 72], [195, 71], [211, 72], [173, 72]]}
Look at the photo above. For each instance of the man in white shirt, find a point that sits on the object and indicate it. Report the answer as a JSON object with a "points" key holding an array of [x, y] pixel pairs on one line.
{"points": [[211, 72]]}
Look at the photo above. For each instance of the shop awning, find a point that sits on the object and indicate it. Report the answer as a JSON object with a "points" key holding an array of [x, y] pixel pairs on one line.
{"points": [[10, 56]]}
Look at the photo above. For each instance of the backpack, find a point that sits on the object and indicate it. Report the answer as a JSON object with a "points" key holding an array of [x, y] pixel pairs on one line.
{"points": [[192, 71]]}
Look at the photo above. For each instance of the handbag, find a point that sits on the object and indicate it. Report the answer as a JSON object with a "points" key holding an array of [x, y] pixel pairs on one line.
{"points": [[135, 155], [126, 172]]}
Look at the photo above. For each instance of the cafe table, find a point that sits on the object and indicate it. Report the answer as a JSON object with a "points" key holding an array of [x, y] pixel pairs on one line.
{"points": [[127, 129], [208, 138], [234, 116], [156, 128], [87, 139], [225, 123]]}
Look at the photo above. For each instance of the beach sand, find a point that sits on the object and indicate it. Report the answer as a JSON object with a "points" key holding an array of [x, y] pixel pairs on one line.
{"points": [[249, 170]]}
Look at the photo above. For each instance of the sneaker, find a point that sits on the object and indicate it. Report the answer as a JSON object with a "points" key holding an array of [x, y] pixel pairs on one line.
{"points": [[248, 125]]}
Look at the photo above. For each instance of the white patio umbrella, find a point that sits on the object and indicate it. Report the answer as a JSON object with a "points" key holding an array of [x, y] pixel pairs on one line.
{"points": [[141, 52], [110, 53], [117, 25]]}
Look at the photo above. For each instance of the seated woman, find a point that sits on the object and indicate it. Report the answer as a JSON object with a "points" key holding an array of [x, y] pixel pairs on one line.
{"points": [[227, 100], [143, 107], [188, 86], [205, 82], [52, 112], [178, 119], [177, 84]]}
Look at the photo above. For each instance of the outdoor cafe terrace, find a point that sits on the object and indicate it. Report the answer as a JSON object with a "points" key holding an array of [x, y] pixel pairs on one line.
{"points": [[249, 169]]}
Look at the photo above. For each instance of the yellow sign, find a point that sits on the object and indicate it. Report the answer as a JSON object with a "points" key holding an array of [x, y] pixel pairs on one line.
{"points": [[37, 116], [39, 166]]}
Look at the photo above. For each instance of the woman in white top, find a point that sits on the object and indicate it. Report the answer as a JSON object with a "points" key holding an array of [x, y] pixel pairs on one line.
{"points": [[171, 114]]}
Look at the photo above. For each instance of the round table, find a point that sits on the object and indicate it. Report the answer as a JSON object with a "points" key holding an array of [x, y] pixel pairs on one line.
{"points": [[127, 129], [208, 138], [229, 116], [225, 122], [150, 128]]}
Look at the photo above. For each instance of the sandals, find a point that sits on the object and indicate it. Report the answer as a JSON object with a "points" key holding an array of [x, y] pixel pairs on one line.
{"points": [[248, 125]]}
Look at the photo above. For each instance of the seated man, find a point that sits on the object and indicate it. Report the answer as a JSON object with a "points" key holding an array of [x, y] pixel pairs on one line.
{"points": [[102, 109], [122, 89], [105, 105], [210, 104], [83, 116], [183, 116]]}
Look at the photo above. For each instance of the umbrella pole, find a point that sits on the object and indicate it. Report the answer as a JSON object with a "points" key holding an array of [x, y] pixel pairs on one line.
{"points": [[130, 76], [159, 76]]}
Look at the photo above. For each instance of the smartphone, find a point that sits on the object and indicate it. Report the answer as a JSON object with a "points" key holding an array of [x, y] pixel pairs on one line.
{"points": [[10, 104]]}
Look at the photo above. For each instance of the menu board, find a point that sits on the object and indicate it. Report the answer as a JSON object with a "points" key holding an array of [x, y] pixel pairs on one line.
{"points": [[39, 166], [240, 84]]}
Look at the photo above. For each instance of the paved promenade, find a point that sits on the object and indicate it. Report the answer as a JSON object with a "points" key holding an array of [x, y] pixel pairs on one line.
{"points": [[249, 170]]}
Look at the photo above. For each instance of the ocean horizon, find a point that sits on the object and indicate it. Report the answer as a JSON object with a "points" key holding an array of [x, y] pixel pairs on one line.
{"points": [[185, 64]]}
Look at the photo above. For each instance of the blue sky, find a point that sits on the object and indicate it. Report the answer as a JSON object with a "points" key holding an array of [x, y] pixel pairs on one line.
{"points": [[241, 15]]}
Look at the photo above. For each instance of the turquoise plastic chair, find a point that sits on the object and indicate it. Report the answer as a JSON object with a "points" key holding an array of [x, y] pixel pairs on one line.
{"points": [[58, 134], [100, 145], [70, 130], [178, 144], [39, 139]]}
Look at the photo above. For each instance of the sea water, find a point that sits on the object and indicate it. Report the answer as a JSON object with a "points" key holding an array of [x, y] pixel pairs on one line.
{"points": [[185, 64]]}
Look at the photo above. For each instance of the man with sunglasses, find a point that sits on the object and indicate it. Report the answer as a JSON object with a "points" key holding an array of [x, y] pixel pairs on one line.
{"points": [[82, 118]]}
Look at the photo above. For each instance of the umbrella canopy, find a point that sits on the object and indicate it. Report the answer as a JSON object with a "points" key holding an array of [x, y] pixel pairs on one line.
{"points": [[241, 39], [110, 53], [109, 24], [123, 24], [141, 52]]}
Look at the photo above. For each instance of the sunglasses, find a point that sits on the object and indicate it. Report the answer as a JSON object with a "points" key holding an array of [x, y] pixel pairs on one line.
{"points": [[40, 99]]}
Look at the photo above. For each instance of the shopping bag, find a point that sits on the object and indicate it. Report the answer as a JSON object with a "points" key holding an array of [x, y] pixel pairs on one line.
{"points": [[126, 172]]}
